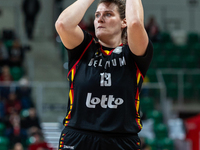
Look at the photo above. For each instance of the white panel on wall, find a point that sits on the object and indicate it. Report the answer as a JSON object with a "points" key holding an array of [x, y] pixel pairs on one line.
{"points": [[44, 23], [14, 18], [7, 18]]}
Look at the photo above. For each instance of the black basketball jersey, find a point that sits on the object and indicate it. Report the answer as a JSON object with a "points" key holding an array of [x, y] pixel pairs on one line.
{"points": [[105, 87]]}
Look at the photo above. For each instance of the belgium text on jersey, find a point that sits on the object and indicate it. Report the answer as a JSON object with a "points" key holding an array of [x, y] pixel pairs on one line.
{"points": [[114, 62]]}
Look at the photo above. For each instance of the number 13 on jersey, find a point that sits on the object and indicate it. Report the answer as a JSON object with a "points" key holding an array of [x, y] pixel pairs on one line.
{"points": [[105, 79]]}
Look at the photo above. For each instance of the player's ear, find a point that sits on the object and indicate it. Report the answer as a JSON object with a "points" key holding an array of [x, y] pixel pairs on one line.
{"points": [[124, 25]]}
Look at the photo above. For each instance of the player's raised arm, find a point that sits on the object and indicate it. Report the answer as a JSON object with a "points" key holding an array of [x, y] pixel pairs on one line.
{"points": [[136, 33], [67, 23]]}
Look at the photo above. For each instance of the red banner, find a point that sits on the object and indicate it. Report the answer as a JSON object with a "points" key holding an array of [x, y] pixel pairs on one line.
{"points": [[193, 131]]}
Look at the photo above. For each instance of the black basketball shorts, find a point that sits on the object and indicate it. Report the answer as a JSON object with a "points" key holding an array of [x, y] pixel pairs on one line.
{"points": [[72, 139]]}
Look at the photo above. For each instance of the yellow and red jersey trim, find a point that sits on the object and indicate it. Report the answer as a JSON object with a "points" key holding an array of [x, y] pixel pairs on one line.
{"points": [[140, 79], [74, 66], [107, 52], [70, 76]]}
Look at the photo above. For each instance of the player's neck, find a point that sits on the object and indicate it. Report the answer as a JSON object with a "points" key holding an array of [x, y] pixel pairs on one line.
{"points": [[111, 43]]}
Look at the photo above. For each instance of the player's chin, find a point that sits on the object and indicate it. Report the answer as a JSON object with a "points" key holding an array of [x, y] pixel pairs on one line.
{"points": [[100, 34]]}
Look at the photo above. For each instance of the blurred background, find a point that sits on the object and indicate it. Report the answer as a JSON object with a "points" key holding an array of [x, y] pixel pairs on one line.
{"points": [[34, 86]]}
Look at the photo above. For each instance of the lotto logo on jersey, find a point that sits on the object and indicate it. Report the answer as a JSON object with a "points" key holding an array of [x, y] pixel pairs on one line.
{"points": [[105, 101]]}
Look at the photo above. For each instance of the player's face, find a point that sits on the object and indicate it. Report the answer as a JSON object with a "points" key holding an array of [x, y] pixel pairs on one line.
{"points": [[107, 21]]}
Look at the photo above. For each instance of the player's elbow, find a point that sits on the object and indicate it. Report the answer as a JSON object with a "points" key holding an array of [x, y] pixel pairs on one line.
{"points": [[59, 25], [64, 27]]}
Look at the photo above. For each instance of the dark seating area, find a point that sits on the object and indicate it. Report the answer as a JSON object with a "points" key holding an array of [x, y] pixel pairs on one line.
{"points": [[169, 55], [175, 57], [19, 123]]}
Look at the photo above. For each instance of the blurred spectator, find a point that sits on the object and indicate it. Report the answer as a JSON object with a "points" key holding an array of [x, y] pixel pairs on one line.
{"points": [[18, 146], [5, 74], [145, 90], [83, 25], [8, 35], [144, 146], [15, 133], [2, 109], [39, 143], [16, 54], [32, 122], [5, 79], [152, 29], [24, 93], [5, 90], [12, 104], [30, 9], [3, 54]]}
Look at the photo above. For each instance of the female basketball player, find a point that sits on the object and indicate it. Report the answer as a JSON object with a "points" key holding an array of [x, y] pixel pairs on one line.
{"points": [[105, 75]]}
